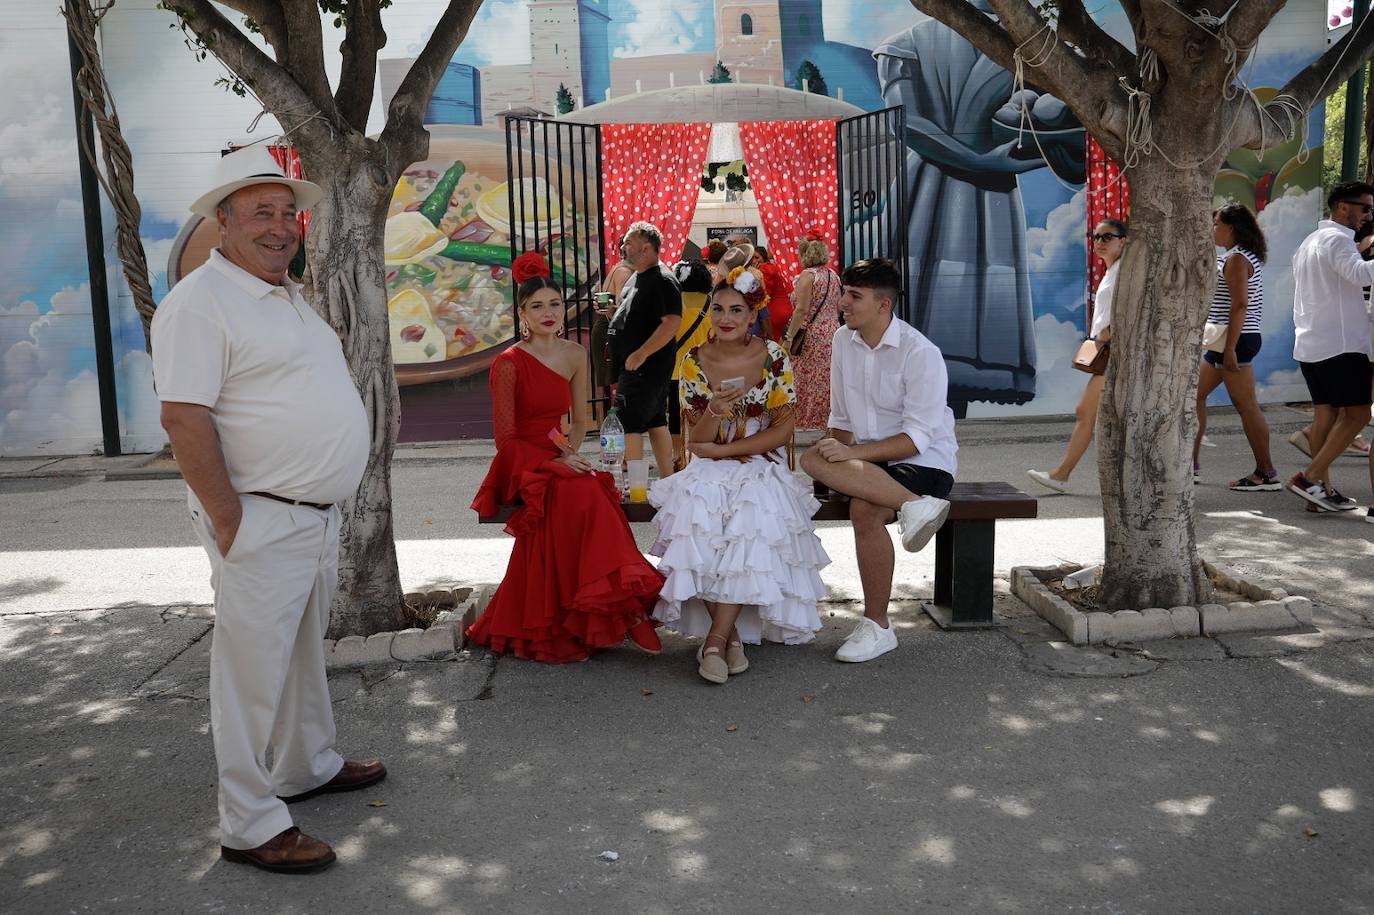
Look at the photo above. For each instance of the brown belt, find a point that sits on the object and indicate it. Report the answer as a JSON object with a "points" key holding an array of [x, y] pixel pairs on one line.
{"points": [[318, 506]]}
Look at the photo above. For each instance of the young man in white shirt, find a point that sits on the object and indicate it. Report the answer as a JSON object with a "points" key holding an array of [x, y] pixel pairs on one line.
{"points": [[890, 446], [1331, 339]]}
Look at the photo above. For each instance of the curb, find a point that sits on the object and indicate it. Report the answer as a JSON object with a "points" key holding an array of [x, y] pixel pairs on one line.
{"points": [[1268, 609], [441, 640]]}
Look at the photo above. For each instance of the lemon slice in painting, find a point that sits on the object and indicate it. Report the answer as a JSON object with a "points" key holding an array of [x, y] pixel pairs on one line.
{"points": [[414, 335], [411, 237], [537, 205]]}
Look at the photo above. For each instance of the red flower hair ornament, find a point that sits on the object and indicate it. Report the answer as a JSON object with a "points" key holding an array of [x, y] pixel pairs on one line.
{"points": [[529, 265], [815, 234]]}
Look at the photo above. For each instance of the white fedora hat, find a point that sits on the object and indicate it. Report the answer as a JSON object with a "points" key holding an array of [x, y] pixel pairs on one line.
{"points": [[246, 167]]}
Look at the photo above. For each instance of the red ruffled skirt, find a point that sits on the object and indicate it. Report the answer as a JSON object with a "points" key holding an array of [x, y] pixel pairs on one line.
{"points": [[576, 582]]}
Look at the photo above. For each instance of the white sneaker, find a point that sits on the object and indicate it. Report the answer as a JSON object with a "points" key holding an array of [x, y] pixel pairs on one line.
{"points": [[919, 519], [866, 642], [1047, 481]]}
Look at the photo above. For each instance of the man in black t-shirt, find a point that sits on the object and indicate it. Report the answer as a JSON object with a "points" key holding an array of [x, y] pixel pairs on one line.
{"points": [[642, 336]]}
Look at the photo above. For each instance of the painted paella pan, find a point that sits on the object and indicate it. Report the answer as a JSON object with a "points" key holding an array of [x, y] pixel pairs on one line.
{"points": [[450, 298]]}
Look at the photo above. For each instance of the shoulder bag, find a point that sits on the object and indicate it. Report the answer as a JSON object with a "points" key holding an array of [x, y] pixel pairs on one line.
{"points": [[1092, 357], [798, 340]]}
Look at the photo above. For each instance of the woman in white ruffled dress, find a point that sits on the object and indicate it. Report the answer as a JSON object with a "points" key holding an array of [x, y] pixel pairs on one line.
{"points": [[737, 545]]}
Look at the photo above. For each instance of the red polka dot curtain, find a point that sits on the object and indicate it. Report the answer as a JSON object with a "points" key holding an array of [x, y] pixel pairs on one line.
{"points": [[1109, 197], [793, 173], [651, 172]]}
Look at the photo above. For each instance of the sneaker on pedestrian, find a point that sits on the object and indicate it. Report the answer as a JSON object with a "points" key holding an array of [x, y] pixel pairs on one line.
{"points": [[1311, 490], [1044, 479], [866, 642], [919, 519], [1339, 502], [1300, 442], [1268, 481]]}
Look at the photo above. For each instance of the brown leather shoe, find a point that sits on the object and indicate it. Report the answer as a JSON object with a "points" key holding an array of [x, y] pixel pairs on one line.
{"points": [[354, 775], [288, 852]]}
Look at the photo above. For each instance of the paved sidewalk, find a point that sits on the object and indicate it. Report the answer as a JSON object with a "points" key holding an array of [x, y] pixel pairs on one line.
{"points": [[993, 771]]}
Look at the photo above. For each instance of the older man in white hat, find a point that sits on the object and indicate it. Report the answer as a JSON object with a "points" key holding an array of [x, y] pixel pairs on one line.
{"points": [[270, 435]]}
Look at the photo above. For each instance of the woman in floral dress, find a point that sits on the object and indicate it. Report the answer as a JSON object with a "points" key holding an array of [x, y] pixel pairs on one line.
{"points": [[739, 551], [816, 307]]}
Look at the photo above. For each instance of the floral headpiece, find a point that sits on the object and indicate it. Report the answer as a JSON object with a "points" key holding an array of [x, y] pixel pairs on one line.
{"points": [[748, 283], [815, 234], [529, 265]]}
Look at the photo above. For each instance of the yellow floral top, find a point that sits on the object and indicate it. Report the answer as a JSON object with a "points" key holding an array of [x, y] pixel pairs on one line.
{"points": [[768, 402]]}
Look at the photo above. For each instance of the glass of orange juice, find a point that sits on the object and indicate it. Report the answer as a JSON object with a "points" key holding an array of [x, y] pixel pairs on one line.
{"points": [[639, 480]]}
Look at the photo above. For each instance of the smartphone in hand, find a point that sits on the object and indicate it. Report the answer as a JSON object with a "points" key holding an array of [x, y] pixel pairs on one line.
{"points": [[732, 384]]}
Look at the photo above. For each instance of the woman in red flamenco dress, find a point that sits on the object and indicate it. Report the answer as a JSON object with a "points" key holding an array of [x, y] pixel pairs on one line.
{"points": [[576, 582]]}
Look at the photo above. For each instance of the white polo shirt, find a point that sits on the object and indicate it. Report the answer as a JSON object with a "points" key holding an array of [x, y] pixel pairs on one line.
{"points": [[897, 386], [1330, 315], [272, 372]]}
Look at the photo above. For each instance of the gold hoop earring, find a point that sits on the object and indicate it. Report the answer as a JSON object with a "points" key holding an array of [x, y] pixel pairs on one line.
{"points": [[524, 330], [560, 331]]}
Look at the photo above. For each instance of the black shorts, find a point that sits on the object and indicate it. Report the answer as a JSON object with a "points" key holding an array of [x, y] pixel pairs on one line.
{"points": [[1341, 381], [1247, 348], [644, 398], [923, 481]]}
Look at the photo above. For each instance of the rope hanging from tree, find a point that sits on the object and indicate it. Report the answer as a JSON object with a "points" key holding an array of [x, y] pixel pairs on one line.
{"points": [[83, 20]]}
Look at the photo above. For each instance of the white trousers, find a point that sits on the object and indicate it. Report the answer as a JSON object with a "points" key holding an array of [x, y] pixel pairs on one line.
{"points": [[267, 676]]}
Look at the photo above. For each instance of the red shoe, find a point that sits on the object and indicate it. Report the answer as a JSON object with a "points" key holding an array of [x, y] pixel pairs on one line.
{"points": [[645, 638]]}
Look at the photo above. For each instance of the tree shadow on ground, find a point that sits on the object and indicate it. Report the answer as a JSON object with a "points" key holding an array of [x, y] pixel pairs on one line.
{"points": [[944, 774]]}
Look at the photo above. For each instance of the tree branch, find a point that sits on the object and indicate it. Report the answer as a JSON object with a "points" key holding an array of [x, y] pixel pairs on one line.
{"points": [[1059, 70], [1250, 19], [1079, 29], [1316, 81], [404, 137], [363, 38], [303, 55], [269, 80]]}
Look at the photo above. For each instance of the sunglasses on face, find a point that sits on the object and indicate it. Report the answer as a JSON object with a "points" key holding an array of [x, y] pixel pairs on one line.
{"points": [[1362, 207], [1103, 236]]}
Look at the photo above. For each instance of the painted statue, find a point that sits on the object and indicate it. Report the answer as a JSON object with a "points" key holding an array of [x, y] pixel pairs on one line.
{"points": [[969, 281]]}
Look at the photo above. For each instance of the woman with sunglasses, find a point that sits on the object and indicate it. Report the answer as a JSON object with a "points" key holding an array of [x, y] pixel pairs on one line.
{"points": [[1238, 302], [1109, 241]]}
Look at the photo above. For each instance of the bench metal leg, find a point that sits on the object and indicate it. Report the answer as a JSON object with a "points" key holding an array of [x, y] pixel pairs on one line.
{"points": [[963, 576]]}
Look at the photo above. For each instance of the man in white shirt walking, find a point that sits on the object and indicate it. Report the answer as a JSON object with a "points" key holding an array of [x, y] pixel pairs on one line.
{"points": [[891, 444], [1331, 337], [271, 435]]}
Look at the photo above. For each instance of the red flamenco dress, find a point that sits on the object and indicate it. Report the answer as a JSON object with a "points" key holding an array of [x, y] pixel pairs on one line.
{"points": [[576, 582]]}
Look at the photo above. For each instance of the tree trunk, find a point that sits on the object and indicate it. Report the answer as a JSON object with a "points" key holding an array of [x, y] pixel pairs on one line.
{"points": [[345, 282], [1148, 414]]}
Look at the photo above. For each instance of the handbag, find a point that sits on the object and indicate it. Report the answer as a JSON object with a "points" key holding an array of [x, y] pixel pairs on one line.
{"points": [[1092, 357], [1214, 337], [798, 340]]}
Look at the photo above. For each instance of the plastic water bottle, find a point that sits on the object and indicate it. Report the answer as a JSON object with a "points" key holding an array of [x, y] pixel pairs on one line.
{"points": [[613, 446]]}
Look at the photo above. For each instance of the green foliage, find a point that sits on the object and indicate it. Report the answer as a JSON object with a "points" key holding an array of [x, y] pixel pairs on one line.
{"points": [[721, 74], [809, 79], [564, 102], [1334, 141]]}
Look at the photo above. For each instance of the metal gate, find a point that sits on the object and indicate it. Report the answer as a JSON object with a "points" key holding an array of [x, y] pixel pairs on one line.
{"points": [[870, 153], [554, 181]]}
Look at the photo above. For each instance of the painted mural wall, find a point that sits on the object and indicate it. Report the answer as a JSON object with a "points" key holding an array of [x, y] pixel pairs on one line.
{"points": [[548, 54]]}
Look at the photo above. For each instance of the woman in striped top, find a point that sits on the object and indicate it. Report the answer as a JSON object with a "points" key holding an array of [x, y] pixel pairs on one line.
{"points": [[1238, 302]]}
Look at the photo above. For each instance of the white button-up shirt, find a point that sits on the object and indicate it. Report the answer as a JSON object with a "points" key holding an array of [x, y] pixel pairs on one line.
{"points": [[272, 372], [1330, 316], [898, 386]]}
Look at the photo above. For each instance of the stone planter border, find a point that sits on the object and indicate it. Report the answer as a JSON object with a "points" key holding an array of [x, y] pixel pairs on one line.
{"points": [[1267, 609], [462, 606]]}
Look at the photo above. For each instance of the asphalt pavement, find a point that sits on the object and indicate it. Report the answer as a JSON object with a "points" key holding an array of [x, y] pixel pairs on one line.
{"points": [[996, 771]]}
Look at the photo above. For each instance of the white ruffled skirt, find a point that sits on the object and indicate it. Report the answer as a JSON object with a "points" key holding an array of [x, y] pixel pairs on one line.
{"points": [[739, 533]]}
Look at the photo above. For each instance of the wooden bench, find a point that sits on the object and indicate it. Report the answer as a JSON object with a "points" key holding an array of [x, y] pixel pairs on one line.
{"points": [[963, 545]]}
